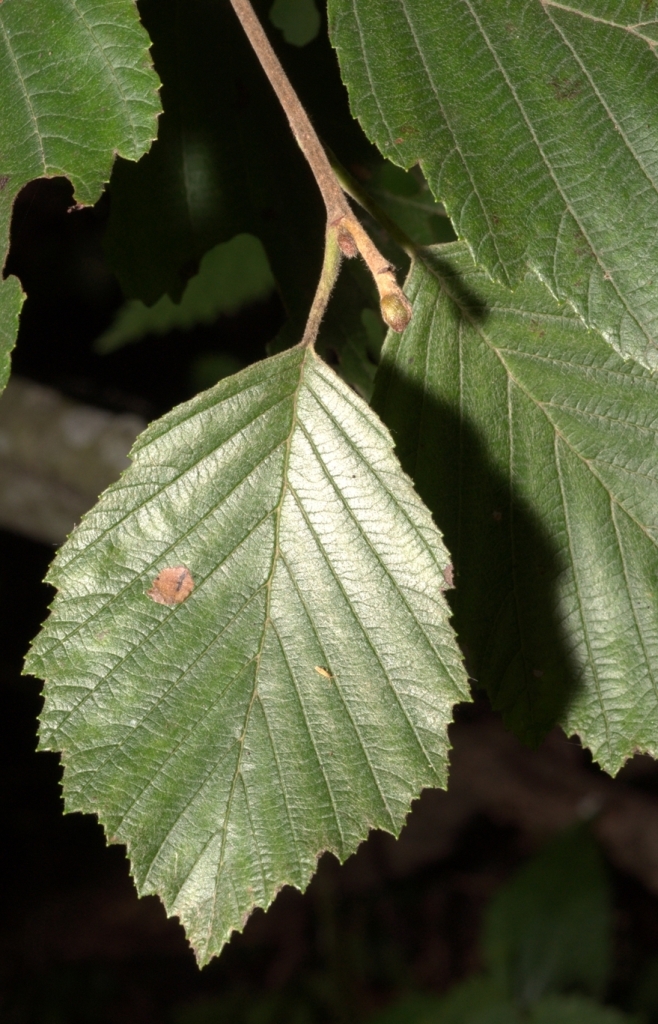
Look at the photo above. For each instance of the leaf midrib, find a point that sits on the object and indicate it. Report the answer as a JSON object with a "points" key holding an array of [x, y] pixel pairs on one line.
{"points": [[267, 623]]}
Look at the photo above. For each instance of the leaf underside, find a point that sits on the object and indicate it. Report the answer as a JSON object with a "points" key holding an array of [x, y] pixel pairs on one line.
{"points": [[536, 123], [300, 695], [76, 87], [536, 448]]}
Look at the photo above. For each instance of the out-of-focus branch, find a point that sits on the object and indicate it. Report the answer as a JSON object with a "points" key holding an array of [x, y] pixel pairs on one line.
{"points": [[56, 456]]}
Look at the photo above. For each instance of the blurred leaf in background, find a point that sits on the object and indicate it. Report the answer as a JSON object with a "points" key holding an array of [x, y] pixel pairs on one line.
{"points": [[546, 936], [231, 275], [298, 20], [406, 197], [549, 929], [225, 162]]}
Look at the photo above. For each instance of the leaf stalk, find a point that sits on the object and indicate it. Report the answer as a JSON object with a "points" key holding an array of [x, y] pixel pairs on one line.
{"points": [[328, 276]]}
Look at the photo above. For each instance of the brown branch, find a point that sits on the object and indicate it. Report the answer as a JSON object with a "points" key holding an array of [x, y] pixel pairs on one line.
{"points": [[341, 222], [302, 129]]}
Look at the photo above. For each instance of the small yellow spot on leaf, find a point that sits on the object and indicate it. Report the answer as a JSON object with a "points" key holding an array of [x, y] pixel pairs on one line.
{"points": [[171, 586], [323, 672]]}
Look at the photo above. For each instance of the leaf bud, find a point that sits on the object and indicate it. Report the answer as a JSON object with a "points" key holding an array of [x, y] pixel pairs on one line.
{"points": [[396, 311], [347, 244]]}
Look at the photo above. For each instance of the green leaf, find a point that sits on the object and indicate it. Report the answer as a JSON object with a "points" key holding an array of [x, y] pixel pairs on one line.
{"points": [[537, 126], [300, 695], [76, 88], [549, 928], [536, 448], [231, 276], [11, 300]]}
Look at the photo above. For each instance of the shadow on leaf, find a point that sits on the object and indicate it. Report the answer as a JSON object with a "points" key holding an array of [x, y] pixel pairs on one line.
{"points": [[506, 566]]}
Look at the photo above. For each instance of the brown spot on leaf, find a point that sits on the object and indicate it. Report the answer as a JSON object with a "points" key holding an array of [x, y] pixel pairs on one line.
{"points": [[449, 575], [4, 178], [565, 88], [536, 328], [171, 586]]}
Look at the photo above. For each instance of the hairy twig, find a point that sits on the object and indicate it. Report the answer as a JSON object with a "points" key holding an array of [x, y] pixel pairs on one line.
{"points": [[328, 275], [345, 234], [365, 200]]}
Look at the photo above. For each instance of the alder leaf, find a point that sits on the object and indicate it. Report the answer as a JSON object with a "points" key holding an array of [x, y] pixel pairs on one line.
{"points": [[536, 447], [76, 88], [299, 695], [11, 300], [536, 124]]}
